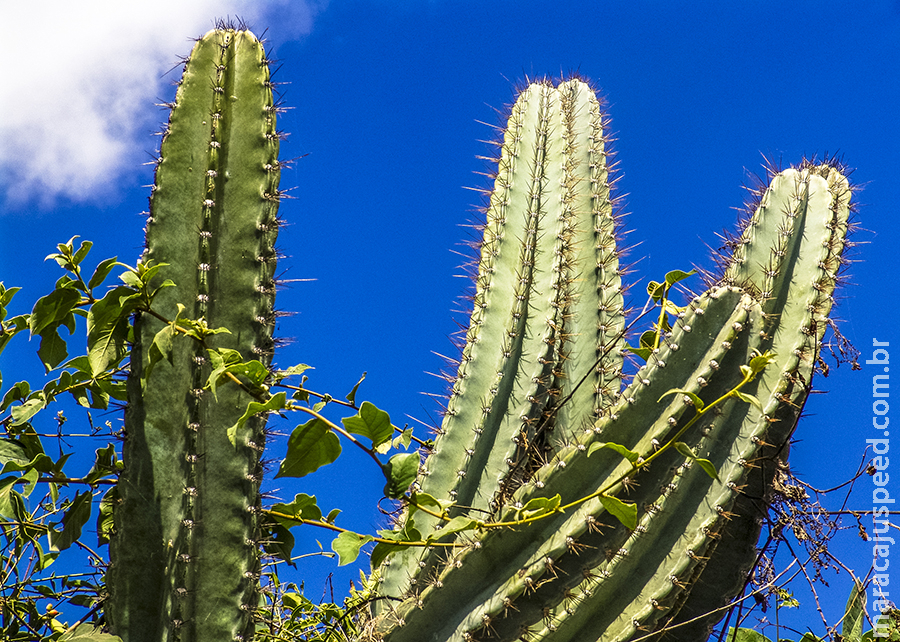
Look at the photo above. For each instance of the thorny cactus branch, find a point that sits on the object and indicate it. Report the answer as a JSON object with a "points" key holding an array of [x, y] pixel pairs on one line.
{"points": [[670, 544]]}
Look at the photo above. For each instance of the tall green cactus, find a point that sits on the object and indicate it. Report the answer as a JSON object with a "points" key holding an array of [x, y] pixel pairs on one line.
{"points": [[521, 432], [185, 554]]}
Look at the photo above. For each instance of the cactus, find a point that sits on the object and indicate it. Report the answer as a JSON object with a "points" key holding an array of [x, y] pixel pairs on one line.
{"points": [[185, 554], [520, 432], [598, 513], [547, 276]]}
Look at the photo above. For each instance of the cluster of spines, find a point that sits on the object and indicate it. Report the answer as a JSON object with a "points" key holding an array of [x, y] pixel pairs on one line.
{"points": [[223, 265]]}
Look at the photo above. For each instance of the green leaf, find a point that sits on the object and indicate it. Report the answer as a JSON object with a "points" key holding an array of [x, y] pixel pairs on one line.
{"points": [[539, 506], [13, 451], [299, 369], [105, 525], [279, 541], [675, 276], [745, 635], [696, 401], [311, 446], [226, 360], [760, 361], [161, 348], [708, 468], [648, 339], [197, 328], [30, 478], [101, 272], [88, 633], [276, 402], [630, 455], [370, 422], [403, 439], [382, 549], [53, 309], [424, 500], [106, 463], [82, 252], [131, 278], [22, 413], [41, 462], [854, 614], [107, 326], [6, 295], [623, 511], [303, 507], [351, 397], [427, 501], [743, 396], [11, 328], [11, 503], [347, 546], [75, 518], [400, 471], [656, 290], [53, 349], [458, 524], [705, 464]]}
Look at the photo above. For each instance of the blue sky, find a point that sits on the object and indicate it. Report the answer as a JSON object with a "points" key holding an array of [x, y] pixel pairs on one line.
{"points": [[385, 100]]}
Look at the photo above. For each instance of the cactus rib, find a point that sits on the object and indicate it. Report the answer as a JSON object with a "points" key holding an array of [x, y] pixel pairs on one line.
{"points": [[811, 206]]}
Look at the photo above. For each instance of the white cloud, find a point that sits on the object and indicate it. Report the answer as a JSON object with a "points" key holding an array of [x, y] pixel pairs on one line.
{"points": [[77, 95]]}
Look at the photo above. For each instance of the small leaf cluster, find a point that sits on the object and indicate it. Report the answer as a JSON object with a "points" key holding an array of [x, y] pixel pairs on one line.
{"points": [[43, 508]]}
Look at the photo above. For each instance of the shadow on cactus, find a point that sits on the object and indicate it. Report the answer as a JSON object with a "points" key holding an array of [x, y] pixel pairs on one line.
{"points": [[562, 505]]}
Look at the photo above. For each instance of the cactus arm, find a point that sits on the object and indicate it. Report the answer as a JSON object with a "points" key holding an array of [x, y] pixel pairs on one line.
{"points": [[195, 495], [477, 402], [537, 327], [241, 298], [572, 541], [594, 315], [812, 202]]}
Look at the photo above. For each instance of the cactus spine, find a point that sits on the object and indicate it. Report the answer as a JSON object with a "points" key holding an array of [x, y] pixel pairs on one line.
{"points": [[547, 308], [185, 555]]}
